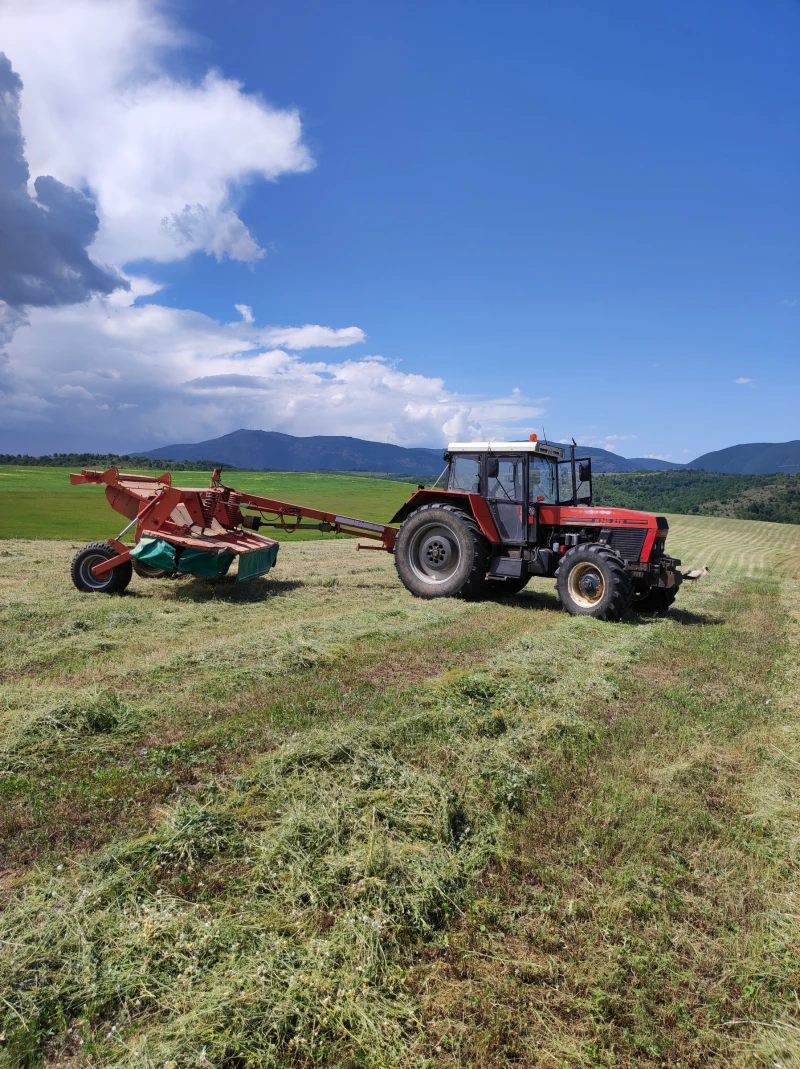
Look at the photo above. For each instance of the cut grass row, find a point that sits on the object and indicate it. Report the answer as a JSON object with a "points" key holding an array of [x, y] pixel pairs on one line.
{"points": [[373, 831]]}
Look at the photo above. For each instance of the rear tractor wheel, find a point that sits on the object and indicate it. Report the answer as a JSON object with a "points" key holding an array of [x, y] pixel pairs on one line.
{"points": [[113, 582], [591, 580], [441, 553], [656, 600]]}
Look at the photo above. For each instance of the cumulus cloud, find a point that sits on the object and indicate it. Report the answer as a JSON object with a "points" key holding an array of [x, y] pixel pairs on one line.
{"points": [[166, 159], [311, 337], [43, 240], [190, 377]]}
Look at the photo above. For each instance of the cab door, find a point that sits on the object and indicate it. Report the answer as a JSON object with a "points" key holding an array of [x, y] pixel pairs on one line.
{"points": [[504, 495]]}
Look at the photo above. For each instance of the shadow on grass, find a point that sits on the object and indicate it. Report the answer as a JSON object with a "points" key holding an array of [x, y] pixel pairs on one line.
{"points": [[539, 601], [229, 590]]}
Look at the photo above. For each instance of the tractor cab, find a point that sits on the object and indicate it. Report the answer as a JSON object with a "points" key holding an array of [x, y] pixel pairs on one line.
{"points": [[517, 478], [502, 512]]}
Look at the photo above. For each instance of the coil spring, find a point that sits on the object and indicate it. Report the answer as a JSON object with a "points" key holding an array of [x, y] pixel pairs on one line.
{"points": [[209, 507]]}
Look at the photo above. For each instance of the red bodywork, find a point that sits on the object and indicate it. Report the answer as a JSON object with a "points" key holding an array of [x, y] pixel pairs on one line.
{"points": [[549, 516], [211, 519]]}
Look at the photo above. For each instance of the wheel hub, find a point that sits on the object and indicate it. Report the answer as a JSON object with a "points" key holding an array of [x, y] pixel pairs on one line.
{"points": [[434, 554], [589, 585], [586, 584], [437, 552]]}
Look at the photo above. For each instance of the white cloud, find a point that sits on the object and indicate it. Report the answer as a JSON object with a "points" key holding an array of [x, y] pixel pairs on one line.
{"points": [[742, 381], [166, 159], [246, 312], [157, 375], [660, 456], [78, 393], [311, 337]]}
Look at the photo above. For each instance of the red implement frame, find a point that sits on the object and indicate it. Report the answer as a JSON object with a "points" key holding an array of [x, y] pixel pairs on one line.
{"points": [[212, 519]]}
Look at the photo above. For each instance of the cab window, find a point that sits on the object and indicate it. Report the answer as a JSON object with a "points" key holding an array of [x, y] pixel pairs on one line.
{"points": [[505, 479], [542, 480], [465, 475], [565, 483]]}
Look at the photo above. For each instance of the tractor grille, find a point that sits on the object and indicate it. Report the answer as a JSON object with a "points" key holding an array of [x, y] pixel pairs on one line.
{"points": [[627, 542]]}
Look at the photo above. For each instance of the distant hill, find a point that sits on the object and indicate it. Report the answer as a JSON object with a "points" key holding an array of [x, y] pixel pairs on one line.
{"points": [[773, 497], [604, 460], [260, 450], [755, 458]]}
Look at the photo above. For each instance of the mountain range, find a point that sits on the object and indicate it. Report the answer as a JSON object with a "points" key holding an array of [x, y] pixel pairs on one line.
{"points": [[264, 450]]}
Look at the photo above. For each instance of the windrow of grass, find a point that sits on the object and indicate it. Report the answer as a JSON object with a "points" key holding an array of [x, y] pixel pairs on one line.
{"points": [[568, 852]]}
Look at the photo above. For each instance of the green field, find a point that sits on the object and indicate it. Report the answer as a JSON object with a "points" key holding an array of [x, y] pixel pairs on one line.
{"points": [[313, 821], [42, 503]]}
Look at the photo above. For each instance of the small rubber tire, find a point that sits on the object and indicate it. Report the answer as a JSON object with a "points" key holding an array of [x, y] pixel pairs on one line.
{"points": [[147, 571], [506, 588], [441, 553], [656, 601], [592, 580], [113, 582]]}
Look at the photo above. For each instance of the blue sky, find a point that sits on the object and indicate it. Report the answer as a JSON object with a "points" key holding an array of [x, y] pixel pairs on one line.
{"points": [[579, 215]]}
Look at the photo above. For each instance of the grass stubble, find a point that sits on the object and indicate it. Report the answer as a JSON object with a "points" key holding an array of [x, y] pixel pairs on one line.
{"points": [[348, 828]]}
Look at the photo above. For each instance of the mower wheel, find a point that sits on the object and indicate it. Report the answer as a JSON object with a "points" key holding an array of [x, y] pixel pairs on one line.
{"points": [[113, 582], [657, 600], [441, 553], [592, 580]]}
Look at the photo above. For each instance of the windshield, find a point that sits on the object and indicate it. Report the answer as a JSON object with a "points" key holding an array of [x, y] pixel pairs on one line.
{"points": [[465, 475], [542, 481]]}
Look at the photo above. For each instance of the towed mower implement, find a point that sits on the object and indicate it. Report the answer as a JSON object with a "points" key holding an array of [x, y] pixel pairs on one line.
{"points": [[196, 531]]}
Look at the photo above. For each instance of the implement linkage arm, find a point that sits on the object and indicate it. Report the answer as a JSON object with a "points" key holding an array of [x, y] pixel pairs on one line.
{"points": [[288, 517]]}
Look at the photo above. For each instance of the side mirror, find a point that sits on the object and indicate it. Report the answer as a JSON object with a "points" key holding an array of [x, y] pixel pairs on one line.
{"points": [[585, 471], [492, 467]]}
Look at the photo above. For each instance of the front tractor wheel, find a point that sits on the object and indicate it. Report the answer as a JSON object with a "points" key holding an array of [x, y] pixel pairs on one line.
{"points": [[593, 581], [113, 582], [441, 553]]}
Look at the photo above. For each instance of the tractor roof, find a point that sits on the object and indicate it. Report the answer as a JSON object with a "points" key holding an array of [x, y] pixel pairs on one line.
{"points": [[542, 448]]}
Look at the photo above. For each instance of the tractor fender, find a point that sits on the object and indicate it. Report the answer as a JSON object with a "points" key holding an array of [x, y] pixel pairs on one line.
{"points": [[473, 504]]}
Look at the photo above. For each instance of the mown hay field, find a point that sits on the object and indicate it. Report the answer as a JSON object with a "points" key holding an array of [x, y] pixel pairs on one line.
{"points": [[313, 821]]}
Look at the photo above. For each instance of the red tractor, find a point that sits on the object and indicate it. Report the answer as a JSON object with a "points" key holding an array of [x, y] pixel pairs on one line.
{"points": [[507, 511], [511, 510]]}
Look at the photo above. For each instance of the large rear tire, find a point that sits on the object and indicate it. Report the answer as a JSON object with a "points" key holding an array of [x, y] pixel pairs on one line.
{"points": [[441, 553], [657, 600], [113, 582], [591, 580]]}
